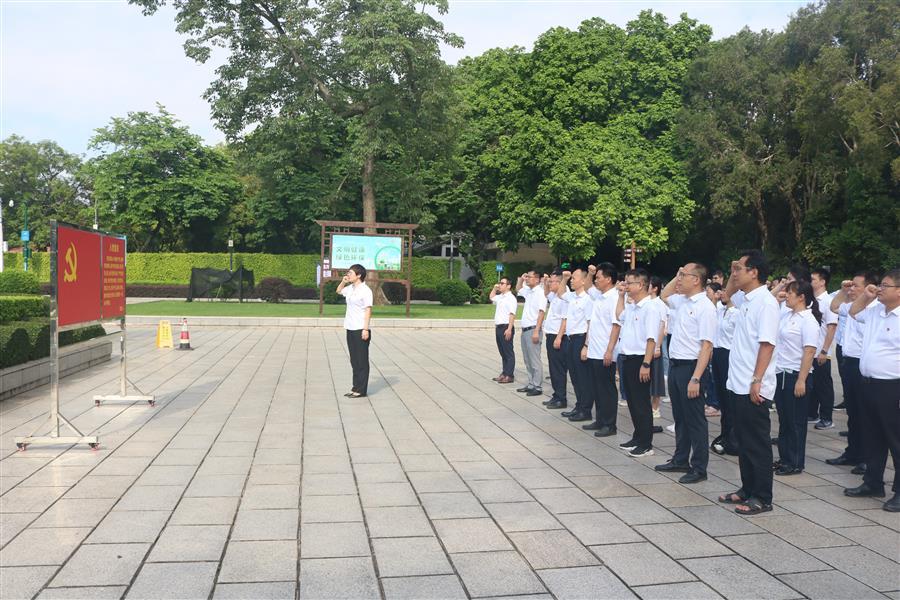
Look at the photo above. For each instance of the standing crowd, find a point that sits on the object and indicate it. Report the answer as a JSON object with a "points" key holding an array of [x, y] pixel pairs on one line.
{"points": [[738, 349]]}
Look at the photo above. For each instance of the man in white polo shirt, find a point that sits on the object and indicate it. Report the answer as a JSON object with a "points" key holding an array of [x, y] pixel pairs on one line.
{"points": [[751, 380], [879, 397], [529, 287], [505, 307], [356, 321], [821, 396], [689, 354], [555, 328], [578, 308], [603, 334]]}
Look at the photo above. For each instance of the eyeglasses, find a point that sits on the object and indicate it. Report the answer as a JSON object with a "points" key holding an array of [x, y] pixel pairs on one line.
{"points": [[632, 283], [883, 286], [683, 275]]}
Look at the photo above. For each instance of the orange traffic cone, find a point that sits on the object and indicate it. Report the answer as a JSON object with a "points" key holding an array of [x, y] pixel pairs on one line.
{"points": [[185, 342]]}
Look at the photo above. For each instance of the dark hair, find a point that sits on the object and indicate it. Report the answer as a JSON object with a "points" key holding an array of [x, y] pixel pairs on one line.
{"points": [[714, 286], [799, 272], [801, 287], [701, 270], [608, 270], [757, 260], [869, 277], [894, 275], [656, 282], [557, 271], [359, 270], [823, 273], [643, 275], [507, 280], [718, 272]]}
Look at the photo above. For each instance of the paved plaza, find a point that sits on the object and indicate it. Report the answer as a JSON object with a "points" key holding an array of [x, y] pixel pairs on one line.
{"points": [[254, 477]]}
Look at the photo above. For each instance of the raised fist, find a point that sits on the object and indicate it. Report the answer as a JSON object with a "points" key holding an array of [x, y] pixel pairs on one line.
{"points": [[871, 291], [846, 285], [592, 269], [567, 274]]}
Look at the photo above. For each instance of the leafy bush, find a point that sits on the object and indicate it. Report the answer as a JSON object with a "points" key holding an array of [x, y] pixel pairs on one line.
{"points": [[19, 282], [150, 290], [19, 308], [23, 341], [452, 292], [331, 296], [273, 289], [38, 266]]}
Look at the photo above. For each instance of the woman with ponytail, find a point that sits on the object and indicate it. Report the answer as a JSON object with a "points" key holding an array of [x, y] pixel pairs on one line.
{"points": [[798, 336]]}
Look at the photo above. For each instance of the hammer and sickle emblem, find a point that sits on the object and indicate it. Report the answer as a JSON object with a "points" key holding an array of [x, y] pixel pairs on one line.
{"points": [[71, 272]]}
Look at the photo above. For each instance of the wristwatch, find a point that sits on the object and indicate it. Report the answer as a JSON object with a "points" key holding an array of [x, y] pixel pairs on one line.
{"points": [[695, 380], [755, 380], [645, 365]]}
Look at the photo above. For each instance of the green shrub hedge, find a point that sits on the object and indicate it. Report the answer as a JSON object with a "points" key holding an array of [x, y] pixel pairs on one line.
{"points": [[19, 308], [39, 264], [453, 292], [23, 341], [19, 282]]}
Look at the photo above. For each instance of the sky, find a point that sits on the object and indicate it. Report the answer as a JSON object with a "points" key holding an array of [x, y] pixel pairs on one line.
{"points": [[68, 66]]}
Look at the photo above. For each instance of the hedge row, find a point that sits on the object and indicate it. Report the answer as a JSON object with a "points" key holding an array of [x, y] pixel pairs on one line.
{"points": [[18, 282], [19, 308], [39, 264], [23, 341]]}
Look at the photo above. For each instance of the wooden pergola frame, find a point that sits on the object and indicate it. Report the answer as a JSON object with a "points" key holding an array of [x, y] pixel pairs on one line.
{"points": [[401, 230]]}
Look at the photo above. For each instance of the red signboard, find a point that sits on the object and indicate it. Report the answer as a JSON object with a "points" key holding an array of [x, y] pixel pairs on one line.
{"points": [[113, 271], [77, 275]]}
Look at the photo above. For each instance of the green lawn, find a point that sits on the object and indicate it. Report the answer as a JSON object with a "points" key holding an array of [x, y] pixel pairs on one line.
{"points": [[180, 308]]}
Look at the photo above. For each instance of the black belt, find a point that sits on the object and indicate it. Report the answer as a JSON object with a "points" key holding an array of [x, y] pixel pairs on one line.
{"points": [[882, 381], [571, 335], [678, 362], [529, 328]]}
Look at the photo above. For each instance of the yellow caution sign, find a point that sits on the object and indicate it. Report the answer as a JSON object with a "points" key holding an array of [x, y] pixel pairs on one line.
{"points": [[164, 335]]}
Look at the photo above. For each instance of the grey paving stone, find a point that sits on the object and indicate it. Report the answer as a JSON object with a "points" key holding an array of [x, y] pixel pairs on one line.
{"points": [[30, 499], [397, 521], [522, 516], [834, 494], [875, 537], [42, 546], [276, 456], [262, 525], [823, 513], [637, 473], [630, 562], [599, 528], [379, 473], [566, 500], [330, 509], [180, 457], [166, 475], [864, 565], [274, 475], [480, 470], [456, 505], [552, 549], [437, 481], [692, 590], [115, 465], [271, 496], [209, 486], [150, 497], [99, 486], [186, 581], [422, 461], [577, 467], [83, 593], [433, 587], [682, 540], [402, 557], [827, 585], [387, 494], [101, 564], [205, 511], [672, 495], [496, 573], [540, 478], [735, 577], [517, 459], [225, 465], [882, 517], [259, 561], [500, 491], [604, 486], [333, 540], [187, 543], [580, 582], [716, 520], [471, 535], [772, 553], [280, 590], [21, 583], [129, 527], [338, 578], [12, 523], [801, 532], [372, 455], [639, 511], [326, 464], [75, 512]]}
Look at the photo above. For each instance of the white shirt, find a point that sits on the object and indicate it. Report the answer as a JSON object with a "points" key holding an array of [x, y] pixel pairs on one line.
{"points": [[797, 331], [757, 322], [602, 318], [505, 304], [727, 316], [535, 303], [640, 322], [853, 332], [828, 318], [556, 314], [663, 309], [578, 311], [694, 322], [359, 298], [881, 342]]}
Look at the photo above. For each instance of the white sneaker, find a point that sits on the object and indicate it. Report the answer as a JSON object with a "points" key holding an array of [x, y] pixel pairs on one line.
{"points": [[671, 428], [666, 399], [622, 403], [638, 452], [657, 414]]}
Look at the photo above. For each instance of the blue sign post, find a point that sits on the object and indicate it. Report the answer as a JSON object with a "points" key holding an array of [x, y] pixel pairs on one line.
{"points": [[25, 235]]}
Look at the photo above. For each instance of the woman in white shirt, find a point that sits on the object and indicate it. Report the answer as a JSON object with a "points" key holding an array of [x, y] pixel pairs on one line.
{"points": [[356, 321], [726, 443], [798, 336]]}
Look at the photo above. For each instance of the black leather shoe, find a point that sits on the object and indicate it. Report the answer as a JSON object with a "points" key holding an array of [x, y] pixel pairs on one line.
{"points": [[843, 433], [592, 426], [859, 469], [785, 470], [841, 406], [546, 402], [605, 432], [774, 441], [692, 477], [671, 467], [864, 491], [578, 416], [534, 392], [556, 404], [893, 505], [840, 460], [656, 429], [569, 413], [523, 389]]}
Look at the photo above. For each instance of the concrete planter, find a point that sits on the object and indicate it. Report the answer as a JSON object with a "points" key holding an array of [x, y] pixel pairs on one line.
{"points": [[72, 359]]}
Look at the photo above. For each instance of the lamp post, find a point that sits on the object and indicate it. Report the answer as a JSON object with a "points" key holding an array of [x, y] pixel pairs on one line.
{"points": [[26, 251], [96, 221], [230, 254], [2, 243]]}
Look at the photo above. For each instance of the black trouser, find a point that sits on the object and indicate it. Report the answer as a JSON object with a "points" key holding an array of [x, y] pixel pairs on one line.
{"points": [[507, 352], [792, 424], [726, 402], [880, 401], [856, 427], [691, 428], [603, 388], [637, 394], [557, 361], [754, 438], [578, 372], [359, 359], [821, 397]]}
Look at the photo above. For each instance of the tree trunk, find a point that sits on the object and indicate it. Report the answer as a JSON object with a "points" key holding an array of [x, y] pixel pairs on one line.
{"points": [[761, 220], [369, 216]]}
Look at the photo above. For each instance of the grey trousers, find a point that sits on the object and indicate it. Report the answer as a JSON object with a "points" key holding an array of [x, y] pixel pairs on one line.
{"points": [[531, 353]]}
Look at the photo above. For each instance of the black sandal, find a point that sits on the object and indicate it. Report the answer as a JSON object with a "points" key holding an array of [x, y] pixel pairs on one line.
{"points": [[754, 507], [730, 498], [355, 395]]}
